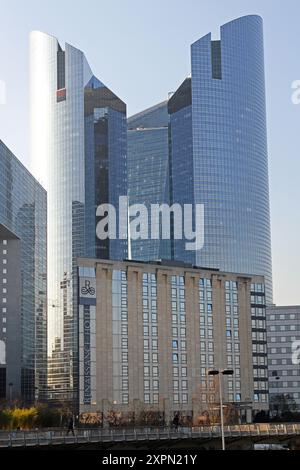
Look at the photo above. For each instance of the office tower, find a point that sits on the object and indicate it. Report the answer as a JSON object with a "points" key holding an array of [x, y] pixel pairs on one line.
{"points": [[149, 333], [283, 333], [219, 150], [148, 172], [23, 310], [78, 151]]}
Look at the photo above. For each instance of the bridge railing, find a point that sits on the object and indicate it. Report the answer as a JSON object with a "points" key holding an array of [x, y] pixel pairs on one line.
{"points": [[59, 437]]}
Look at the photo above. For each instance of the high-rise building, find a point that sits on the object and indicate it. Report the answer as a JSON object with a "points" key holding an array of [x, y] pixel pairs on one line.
{"points": [[149, 334], [219, 152], [148, 172], [23, 309], [283, 334], [78, 151]]}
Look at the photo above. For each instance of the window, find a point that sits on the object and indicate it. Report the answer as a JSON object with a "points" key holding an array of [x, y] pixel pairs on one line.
{"points": [[154, 357], [147, 398], [147, 384], [175, 357], [175, 344], [184, 398], [125, 399], [175, 384], [124, 384], [154, 330]]}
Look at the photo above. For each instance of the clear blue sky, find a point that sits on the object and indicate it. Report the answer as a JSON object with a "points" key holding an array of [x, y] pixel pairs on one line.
{"points": [[140, 49]]}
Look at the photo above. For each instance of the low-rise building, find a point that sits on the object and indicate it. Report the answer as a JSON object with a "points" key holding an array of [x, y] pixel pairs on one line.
{"points": [[283, 333], [149, 333]]}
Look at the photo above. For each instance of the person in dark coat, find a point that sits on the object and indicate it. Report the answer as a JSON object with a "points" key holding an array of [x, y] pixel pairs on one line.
{"points": [[71, 426], [176, 421]]}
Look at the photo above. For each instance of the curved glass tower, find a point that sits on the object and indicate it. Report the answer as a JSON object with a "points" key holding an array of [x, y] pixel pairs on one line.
{"points": [[78, 152], [219, 150]]}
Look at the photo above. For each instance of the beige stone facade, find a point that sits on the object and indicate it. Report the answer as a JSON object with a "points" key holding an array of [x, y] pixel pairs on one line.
{"points": [[150, 333]]}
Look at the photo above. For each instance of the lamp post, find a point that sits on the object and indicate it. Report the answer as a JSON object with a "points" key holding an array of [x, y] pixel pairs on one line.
{"points": [[223, 372]]}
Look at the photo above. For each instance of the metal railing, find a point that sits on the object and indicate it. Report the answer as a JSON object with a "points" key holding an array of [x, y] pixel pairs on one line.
{"points": [[82, 436]]}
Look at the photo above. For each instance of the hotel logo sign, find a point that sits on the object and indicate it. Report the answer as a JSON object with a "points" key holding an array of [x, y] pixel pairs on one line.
{"points": [[87, 288]]}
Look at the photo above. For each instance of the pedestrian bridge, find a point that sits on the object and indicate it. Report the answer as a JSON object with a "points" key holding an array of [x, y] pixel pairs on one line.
{"points": [[40, 438]]}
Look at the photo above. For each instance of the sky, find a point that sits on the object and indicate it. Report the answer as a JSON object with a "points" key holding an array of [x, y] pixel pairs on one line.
{"points": [[141, 50]]}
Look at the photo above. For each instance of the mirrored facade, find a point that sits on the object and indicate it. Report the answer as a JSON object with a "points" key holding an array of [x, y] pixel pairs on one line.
{"points": [[78, 151], [148, 172], [219, 152], [23, 311]]}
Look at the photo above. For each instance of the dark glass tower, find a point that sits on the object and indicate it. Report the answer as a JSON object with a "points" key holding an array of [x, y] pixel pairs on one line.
{"points": [[78, 150], [219, 152], [148, 172], [23, 310]]}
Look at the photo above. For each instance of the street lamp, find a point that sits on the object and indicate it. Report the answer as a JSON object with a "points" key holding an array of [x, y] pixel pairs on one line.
{"points": [[223, 372]]}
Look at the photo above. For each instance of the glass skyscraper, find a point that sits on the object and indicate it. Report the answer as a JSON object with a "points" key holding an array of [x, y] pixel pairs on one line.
{"points": [[23, 310], [78, 151], [148, 172], [219, 152]]}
